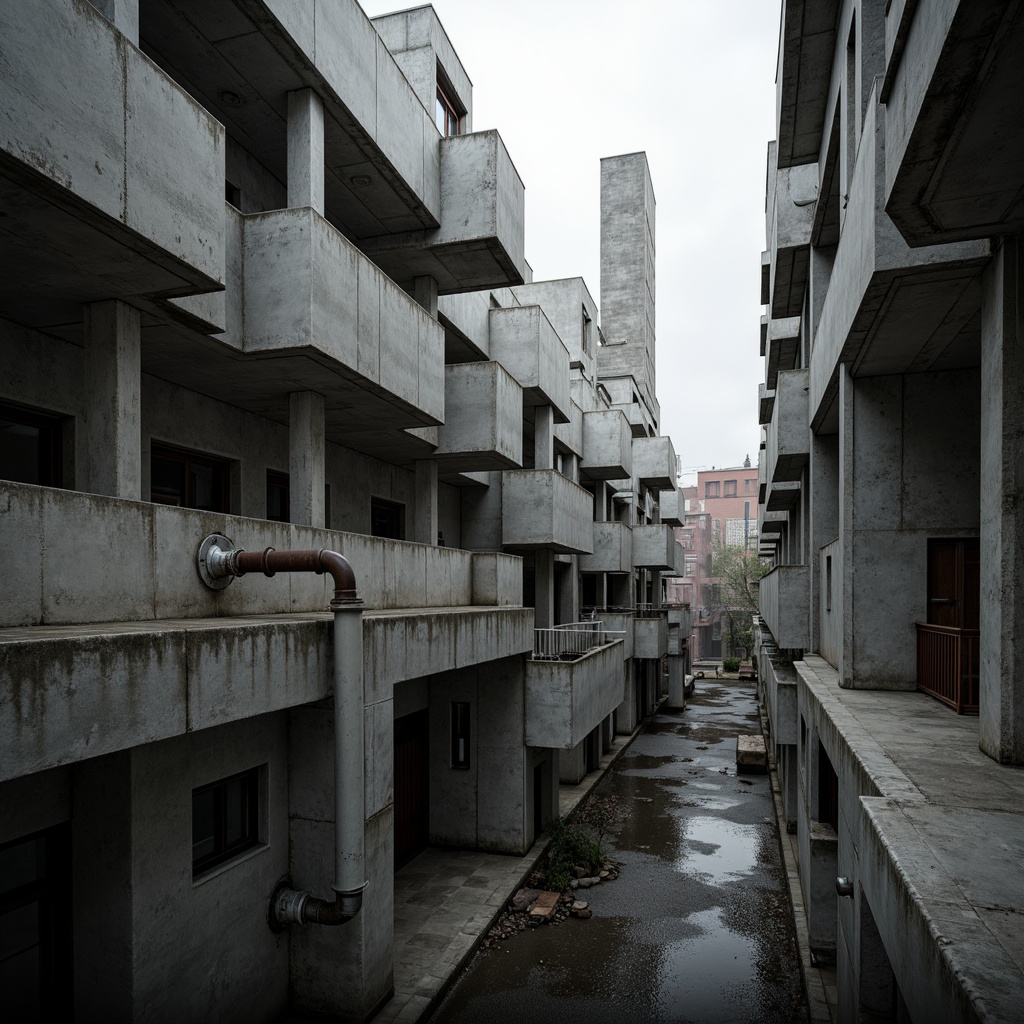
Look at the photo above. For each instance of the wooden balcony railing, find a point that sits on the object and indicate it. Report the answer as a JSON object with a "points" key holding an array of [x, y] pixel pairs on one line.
{"points": [[947, 665]]}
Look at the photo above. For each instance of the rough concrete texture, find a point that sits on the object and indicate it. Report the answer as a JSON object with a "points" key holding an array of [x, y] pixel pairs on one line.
{"points": [[650, 637], [654, 462], [654, 547], [524, 342], [540, 508], [787, 439], [932, 844], [565, 700], [782, 601], [607, 445], [613, 549], [307, 287], [483, 410]]}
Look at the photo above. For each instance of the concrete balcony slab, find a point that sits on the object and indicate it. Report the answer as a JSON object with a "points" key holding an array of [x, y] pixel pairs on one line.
{"points": [[607, 445], [765, 403], [540, 508], [566, 700], [670, 506], [654, 547], [788, 437], [524, 342], [650, 635], [613, 549], [783, 604], [783, 348], [654, 462], [483, 426]]}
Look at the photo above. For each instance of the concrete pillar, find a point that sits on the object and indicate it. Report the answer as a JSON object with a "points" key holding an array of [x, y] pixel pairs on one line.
{"points": [[601, 501], [122, 14], [571, 467], [424, 291], [425, 527], [306, 453], [110, 443], [846, 525], [543, 437], [1001, 696], [544, 589], [306, 150]]}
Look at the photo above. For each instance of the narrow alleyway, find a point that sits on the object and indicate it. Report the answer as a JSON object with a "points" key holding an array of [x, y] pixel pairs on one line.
{"points": [[697, 928]]}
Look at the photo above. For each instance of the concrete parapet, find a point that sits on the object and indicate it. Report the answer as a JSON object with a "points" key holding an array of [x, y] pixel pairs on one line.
{"points": [[524, 342], [613, 549], [540, 508], [607, 445], [654, 547]]}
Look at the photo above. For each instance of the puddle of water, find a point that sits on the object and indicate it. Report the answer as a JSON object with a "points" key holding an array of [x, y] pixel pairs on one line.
{"points": [[717, 849]]}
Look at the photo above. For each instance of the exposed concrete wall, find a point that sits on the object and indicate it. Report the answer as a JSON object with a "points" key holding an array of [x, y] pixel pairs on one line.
{"points": [[489, 805]]}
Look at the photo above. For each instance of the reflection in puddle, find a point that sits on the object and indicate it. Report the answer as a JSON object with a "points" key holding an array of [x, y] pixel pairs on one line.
{"points": [[710, 974], [716, 849]]}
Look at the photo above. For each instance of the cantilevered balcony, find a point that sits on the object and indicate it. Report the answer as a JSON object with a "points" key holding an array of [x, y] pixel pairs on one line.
{"points": [[108, 160], [323, 316], [899, 309], [526, 344], [613, 549], [654, 462], [792, 194], [953, 170], [782, 351], [765, 404], [654, 547], [540, 508], [607, 445], [783, 603], [788, 437], [650, 633], [670, 504], [483, 419], [567, 698]]}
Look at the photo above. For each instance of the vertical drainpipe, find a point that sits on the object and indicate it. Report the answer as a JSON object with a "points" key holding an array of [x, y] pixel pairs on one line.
{"points": [[219, 562]]}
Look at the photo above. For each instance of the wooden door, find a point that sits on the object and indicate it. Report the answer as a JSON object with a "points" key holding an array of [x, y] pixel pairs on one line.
{"points": [[954, 584], [412, 786]]}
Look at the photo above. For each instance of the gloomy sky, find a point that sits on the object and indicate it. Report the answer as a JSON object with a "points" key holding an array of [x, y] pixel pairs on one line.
{"points": [[691, 82]]}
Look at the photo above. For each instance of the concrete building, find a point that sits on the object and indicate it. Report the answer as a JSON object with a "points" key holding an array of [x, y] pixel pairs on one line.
{"points": [[889, 497], [265, 288]]}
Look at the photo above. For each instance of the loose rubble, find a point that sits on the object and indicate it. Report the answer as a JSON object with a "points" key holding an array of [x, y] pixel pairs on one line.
{"points": [[532, 906]]}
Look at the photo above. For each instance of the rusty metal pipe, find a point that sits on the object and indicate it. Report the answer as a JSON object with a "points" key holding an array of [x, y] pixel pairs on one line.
{"points": [[218, 562]]}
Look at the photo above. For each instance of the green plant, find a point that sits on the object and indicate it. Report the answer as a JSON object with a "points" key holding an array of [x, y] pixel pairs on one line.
{"points": [[570, 847], [730, 664]]}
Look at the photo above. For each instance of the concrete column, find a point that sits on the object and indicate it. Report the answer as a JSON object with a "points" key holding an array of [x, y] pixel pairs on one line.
{"points": [[306, 454], [425, 528], [571, 467], [601, 501], [122, 14], [544, 589], [1002, 509], [846, 486], [543, 437], [306, 150], [424, 291], [823, 516], [110, 444]]}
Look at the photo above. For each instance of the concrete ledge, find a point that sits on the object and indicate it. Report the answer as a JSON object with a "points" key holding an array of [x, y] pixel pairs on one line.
{"points": [[751, 755]]}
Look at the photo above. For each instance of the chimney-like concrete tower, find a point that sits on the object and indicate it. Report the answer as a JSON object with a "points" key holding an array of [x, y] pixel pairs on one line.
{"points": [[627, 273]]}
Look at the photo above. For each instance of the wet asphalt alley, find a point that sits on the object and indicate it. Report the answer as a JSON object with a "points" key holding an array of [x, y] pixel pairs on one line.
{"points": [[696, 928]]}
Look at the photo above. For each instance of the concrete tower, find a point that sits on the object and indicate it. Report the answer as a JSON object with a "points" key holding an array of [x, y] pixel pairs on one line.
{"points": [[627, 276]]}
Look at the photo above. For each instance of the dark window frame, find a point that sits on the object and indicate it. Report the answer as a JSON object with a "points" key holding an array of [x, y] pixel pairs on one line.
{"points": [[726, 492], [279, 481], [711, 488], [187, 458], [226, 850], [49, 469], [449, 114], [461, 730], [381, 508]]}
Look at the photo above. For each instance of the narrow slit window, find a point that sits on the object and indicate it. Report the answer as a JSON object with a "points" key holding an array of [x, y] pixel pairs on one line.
{"points": [[460, 734], [225, 820]]}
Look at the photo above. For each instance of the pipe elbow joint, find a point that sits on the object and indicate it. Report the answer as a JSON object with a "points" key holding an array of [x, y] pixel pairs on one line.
{"points": [[300, 906]]}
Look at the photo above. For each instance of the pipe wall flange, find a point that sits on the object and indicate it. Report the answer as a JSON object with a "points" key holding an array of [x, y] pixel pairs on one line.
{"points": [[213, 561], [844, 887], [287, 906]]}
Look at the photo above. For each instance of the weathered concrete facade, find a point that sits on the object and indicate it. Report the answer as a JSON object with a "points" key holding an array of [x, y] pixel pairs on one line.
{"points": [[890, 478], [257, 287]]}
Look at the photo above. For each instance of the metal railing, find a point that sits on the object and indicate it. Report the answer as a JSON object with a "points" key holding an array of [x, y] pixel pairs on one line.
{"points": [[571, 640], [947, 665]]}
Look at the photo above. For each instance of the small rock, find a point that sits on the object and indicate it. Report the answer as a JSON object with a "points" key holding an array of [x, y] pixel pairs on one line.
{"points": [[574, 883], [603, 875], [595, 880], [579, 905], [585, 883], [579, 872], [585, 915]]}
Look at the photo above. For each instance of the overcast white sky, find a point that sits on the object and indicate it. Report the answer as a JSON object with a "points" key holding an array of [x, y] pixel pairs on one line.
{"points": [[691, 82]]}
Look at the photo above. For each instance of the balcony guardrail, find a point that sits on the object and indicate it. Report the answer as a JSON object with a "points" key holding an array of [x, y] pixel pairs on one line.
{"points": [[571, 640], [646, 610], [947, 665]]}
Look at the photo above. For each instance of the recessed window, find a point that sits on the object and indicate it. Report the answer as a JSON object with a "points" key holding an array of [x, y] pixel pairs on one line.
{"points": [[586, 341], [277, 497], [711, 489], [225, 820], [460, 734], [30, 446], [730, 488], [189, 479], [828, 583], [447, 115], [387, 519]]}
